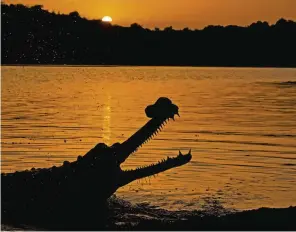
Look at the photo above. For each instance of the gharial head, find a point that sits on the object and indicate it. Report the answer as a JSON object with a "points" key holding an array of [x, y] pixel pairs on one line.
{"points": [[107, 160], [163, 108]]}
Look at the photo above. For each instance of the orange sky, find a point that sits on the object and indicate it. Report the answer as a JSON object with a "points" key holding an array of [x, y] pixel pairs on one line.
{"points": [[176, 13]]}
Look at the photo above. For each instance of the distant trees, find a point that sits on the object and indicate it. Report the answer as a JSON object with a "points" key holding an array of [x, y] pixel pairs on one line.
{"points": [[32, 35], [136, 27], [168, 29], [74, 15], [37, 7], [186, 29]]}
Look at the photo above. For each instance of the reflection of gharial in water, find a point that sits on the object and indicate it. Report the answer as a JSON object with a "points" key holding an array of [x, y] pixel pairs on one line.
{"points": [[76, 191]]}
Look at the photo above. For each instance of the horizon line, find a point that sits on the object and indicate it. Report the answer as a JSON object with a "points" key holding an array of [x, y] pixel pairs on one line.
{"points": [[150, 27]]}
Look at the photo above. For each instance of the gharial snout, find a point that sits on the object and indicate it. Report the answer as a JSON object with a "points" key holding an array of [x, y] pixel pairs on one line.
{"points": [[162, 108]]}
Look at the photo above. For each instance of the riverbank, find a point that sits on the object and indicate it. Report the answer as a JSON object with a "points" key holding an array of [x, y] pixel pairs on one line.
{"points": [[123, 215]]}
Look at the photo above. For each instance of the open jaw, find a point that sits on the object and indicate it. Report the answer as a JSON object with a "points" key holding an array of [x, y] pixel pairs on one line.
{"points": [[143, 135]]}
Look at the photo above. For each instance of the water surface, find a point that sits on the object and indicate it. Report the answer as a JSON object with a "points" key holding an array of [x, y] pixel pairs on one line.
{"points": [[240, 124]]}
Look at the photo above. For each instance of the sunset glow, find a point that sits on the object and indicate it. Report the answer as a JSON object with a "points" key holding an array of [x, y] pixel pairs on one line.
{"points": [[107, 19], [178, 14]]}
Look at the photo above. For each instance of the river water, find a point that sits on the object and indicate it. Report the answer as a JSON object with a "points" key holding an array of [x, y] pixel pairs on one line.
{"points": [[239, 122]]}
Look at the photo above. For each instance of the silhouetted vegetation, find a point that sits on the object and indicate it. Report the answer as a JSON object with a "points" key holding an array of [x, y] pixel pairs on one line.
{"points": [[32, 35]]}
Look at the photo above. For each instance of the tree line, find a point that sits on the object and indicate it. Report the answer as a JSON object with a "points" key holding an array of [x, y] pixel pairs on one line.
{"points": [[32, 35]]}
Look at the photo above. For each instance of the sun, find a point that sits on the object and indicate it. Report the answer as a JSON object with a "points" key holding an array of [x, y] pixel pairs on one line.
{"points": [[107, 19]]}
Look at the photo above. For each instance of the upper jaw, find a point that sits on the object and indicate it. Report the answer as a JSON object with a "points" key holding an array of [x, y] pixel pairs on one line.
{"points": [[161, 111], [143, 135]]}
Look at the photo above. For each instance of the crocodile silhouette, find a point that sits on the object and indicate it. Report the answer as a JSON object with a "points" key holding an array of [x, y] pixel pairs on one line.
{"points": [[77, 191]]}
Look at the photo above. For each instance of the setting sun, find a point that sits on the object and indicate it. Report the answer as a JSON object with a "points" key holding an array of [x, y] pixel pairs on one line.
{"points": [[107, 19]]}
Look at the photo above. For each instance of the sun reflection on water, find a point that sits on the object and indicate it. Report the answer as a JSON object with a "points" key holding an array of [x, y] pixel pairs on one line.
{"points": [[106, 133]]}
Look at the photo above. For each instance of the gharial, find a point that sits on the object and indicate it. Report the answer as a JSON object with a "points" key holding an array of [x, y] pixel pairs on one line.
{"points": [[78, 189]]}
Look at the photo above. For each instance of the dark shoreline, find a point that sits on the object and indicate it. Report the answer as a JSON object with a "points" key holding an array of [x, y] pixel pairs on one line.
{"points": [[125, 216], [259, 219], [123, 65]]}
